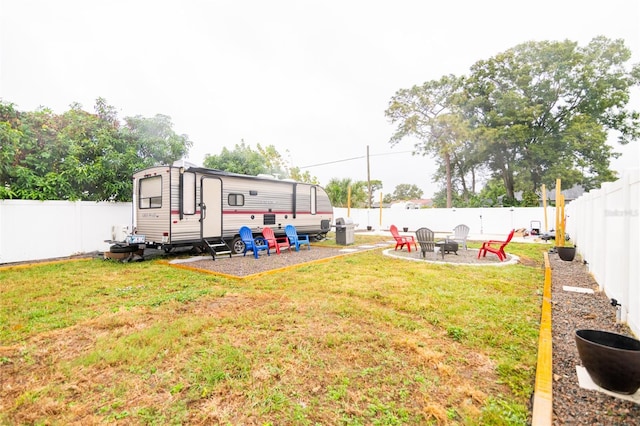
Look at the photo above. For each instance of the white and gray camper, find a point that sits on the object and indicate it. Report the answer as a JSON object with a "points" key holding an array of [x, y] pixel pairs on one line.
{"points": [[205, 208]]}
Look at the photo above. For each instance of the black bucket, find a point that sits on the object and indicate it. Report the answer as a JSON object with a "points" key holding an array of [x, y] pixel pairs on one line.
{"points": [[612, 360], [566, 253]]}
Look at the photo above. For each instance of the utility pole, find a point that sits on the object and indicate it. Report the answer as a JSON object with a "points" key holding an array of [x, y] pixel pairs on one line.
{"points": [[368, 179]]}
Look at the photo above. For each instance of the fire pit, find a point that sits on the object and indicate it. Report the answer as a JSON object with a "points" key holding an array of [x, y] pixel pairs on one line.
{"points": [[447, 246], [612, 360]]}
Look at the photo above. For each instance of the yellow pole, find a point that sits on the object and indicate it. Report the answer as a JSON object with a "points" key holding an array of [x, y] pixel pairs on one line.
{"points": [[544, 205], [349, 201], [559, 214]]}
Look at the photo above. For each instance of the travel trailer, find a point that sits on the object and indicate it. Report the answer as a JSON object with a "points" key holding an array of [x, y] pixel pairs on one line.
{"points": [[177, 206]]}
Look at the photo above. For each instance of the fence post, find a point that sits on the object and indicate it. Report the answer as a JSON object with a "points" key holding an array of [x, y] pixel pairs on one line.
{"points": [[624, 262]]}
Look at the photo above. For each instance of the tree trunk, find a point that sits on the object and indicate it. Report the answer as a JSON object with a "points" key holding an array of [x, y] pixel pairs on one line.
{"points": [[459, 170], [507, 178], [473, 180]]}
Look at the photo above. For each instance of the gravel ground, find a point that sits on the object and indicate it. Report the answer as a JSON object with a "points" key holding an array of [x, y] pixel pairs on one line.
{"points": [[572, 405], [242, 266], [571, 311], [462, 256]]}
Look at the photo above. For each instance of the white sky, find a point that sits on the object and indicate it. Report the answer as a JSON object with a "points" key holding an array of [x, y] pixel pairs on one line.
{"points": [[310, 77]]}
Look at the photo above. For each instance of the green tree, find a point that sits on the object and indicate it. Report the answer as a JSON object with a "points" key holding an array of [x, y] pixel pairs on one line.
{"points": [[273, 161], [263, 160], [466, 170], [543, 109], [493, 193], [338, 192], [406, 191], [242, 159], [530, 199], [155, 139], [376, 185], [297, 175], [39, 170], [11, 141], [440, 199], [433, 114], [79, 155], [537, 112]]}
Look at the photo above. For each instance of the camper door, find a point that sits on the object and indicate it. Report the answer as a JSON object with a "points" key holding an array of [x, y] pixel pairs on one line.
{"points": [[211, 207]]}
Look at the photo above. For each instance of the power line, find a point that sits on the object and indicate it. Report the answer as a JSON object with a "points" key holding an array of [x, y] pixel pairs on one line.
{"points": [[353, 158]]}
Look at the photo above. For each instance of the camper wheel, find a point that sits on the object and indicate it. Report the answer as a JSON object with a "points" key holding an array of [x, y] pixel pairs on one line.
{"points": [[118, 248], [237, 245]]}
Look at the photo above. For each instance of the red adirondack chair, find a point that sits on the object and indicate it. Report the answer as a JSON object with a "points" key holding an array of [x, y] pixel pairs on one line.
{"points": [[275, 242], [496, 247], [401, 240]]}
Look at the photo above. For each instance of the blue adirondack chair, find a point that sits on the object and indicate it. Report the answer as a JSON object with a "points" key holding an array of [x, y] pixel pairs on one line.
{"points": [[250, 243], [296, 240]]}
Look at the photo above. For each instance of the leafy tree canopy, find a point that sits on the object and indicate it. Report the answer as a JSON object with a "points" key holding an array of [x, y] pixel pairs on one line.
{"points": [[298, 175], [242, 159], [543, 110], [528, 116], [263, 160], [406, 191], [341, 191], [79, 155], [376, 185]]}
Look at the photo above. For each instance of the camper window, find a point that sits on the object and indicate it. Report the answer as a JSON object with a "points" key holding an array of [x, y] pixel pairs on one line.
{"points": [[189, 193], [314, 201], [150, 195], [236, 200]]}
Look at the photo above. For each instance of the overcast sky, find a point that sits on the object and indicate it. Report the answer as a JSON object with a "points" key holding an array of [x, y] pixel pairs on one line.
{"points": [[312, 78]]}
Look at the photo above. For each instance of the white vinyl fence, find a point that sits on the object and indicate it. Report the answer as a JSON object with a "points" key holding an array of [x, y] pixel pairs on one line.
{"points": [[604, 224], [37, 230], [481, 221]]}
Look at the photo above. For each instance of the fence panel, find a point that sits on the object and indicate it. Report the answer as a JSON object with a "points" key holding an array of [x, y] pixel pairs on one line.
{"points": [[491, 221], [605, 224], [37, 230]]}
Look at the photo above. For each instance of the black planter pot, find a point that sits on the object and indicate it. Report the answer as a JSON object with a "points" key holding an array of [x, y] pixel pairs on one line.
{"points": [[405, 229], [566, 253], [612, 360]]}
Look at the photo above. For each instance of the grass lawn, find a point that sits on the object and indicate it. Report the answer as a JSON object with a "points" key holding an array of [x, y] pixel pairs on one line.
{"points": [[362, 339]]}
